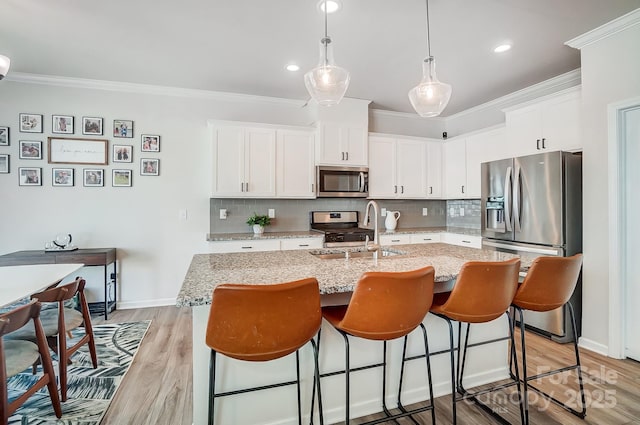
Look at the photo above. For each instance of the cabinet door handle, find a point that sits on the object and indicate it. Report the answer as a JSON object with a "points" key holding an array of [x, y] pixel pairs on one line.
{"points": [[402, 187], [347, 153], [395, 240], [395, 189], [246, 185], [543, 146], [311, 187], [241, 187], [342, 156], [246, 247], [303, 244], [462, 188], [427, 239], [466, 241], [430, 190], [538, 144]]}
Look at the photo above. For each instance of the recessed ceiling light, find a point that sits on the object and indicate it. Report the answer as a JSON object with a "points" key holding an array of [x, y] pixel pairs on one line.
{"points": [[502, 48], [293, 67], [332, 5]]}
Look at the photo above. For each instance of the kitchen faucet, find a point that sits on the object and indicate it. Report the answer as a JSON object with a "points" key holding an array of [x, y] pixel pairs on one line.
{"points": [[375, 247]]}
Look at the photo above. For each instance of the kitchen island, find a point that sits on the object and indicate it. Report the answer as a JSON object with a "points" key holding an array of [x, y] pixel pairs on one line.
{"points": [[337, 278]]}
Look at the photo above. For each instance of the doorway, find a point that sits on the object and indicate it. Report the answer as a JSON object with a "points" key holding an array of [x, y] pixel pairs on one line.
{"points": [[624, 277]]}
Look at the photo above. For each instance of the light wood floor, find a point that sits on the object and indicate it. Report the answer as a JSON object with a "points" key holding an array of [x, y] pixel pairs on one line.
{"points": [[157, 388]]}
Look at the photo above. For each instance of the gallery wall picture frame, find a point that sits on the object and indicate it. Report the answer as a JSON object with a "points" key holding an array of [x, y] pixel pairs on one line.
{"points": [[30, 123], [4, 136], [123, 128], [62, 124], [4, 163], [122, 153], [68, 150], [30, 149], [121, 178], [93, 177], [149, 167], [29, 176], [150, 143], [62, 176], [92, 126]]}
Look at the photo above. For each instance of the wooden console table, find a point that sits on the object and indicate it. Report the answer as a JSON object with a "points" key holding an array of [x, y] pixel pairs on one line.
{"points": [[89, 257]]}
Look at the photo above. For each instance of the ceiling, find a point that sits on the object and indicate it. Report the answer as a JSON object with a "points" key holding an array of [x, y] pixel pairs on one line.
{"points": [[242, 46]]}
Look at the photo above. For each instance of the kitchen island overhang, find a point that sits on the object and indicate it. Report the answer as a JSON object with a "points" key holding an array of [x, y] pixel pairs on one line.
{"points": [[337, 278]]}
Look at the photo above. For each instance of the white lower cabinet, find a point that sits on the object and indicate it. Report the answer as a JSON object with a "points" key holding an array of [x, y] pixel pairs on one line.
{"points": [[401, 239], [249, 245], [425, 238], [301, 243], [462, 240]]}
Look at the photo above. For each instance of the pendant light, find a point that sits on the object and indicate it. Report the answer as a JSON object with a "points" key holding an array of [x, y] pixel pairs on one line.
{"points": [[327, 83], [5, 63], [431, 96]]}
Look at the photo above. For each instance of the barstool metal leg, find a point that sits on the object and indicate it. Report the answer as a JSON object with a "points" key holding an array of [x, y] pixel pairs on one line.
{"points": [[298, 386], [212, 386], [316, 379]]}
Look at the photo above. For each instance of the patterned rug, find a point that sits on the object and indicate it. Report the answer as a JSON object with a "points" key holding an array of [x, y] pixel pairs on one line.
{"points": [[89, 390]]}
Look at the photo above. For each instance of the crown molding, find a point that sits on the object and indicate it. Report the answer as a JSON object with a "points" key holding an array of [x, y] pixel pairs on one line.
{"points": [[607, 30], [553, 85], [403, 115], [82, 83]]}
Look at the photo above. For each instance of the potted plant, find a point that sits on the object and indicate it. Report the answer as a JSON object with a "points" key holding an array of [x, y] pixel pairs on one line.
{"points": [[258, 222]]}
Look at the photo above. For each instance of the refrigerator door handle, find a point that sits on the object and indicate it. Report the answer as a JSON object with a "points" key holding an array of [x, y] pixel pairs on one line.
{"points": [[516, 200], [507, 200]]}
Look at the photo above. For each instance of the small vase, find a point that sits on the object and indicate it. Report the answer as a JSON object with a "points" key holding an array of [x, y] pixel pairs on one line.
{"points": [[257, 229]]}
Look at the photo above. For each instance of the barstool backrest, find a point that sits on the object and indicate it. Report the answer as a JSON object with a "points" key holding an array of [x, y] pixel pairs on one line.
{"points": [[483, 291], [263, 322], [549, 283], [388, 305]]}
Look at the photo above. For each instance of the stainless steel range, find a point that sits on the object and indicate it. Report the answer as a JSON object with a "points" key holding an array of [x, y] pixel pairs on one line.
{"points": [[340, 228]]}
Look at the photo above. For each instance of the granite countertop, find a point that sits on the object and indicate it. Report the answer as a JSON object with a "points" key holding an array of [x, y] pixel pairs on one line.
{"points": [[218, 237], [334, 275]]}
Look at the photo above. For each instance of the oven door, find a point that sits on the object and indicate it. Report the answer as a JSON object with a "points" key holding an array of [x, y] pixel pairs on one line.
{"points": [[339, 182]]}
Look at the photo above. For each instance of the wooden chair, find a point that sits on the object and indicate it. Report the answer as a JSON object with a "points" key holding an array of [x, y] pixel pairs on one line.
{"points": [[386, 306], [549, 284], [258, 323], [58, 322], [483, 292], [18, 355]]}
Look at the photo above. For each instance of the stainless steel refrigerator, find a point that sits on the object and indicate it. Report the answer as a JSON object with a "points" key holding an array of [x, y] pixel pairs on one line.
{"points": [[532, 206]]}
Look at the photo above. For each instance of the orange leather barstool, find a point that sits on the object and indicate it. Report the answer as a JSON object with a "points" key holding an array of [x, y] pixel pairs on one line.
{"points": [[483, 292], [549, 284], [259, 323], [57, 322], [385, 306], [18, 355]]}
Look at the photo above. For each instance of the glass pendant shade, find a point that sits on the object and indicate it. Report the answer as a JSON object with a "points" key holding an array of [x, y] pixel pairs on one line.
{"points": [[327, 83], [430, 97], [5, 62]]}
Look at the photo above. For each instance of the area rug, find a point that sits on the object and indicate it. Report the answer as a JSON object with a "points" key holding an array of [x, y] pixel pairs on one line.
{"points": [[89, 390]]}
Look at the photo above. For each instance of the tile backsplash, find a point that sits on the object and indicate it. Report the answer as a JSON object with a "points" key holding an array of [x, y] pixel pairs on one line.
{"points": [[464, 213], [293, 214]]}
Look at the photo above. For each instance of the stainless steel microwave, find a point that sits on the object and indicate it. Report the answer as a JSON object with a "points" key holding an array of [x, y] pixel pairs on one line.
{"points": [[342, 182]]}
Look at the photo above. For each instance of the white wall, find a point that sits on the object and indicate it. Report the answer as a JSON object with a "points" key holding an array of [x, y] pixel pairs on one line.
{"points": [[154, 246], [610, 73]]}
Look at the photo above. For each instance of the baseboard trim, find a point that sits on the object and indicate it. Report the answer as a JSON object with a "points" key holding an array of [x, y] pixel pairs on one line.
{"points": [[591, 345], [128, 305]]}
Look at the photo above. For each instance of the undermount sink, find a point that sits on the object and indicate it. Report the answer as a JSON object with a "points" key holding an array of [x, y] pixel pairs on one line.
{"points": [[334, 255]]}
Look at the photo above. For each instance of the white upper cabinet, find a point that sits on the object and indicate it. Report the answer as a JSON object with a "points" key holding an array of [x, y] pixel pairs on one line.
{"points": [[483, 146], [434, 169], [455, 166], [548, 125], [243, 161], [397, 167], [341, 144], [295, 170]]}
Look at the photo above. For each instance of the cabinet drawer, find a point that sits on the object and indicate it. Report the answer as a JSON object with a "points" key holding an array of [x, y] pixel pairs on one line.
{"points": [[244, 246], [301, 243], [462, 240], [395, 239], [425, 238]]}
